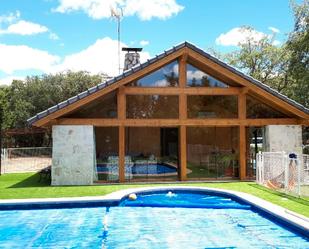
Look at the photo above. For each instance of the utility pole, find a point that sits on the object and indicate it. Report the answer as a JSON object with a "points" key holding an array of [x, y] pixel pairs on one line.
{"points": [[117, 14]]}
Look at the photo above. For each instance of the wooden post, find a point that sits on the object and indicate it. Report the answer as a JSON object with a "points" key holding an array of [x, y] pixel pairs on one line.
{"points": [[242, 152], [183, 152], [183, 116], [242, 135], [121, 109], [121, 154]]}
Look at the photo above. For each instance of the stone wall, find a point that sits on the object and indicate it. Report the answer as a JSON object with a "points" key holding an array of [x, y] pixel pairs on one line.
{"points": [[286, 138], [73, 161]]}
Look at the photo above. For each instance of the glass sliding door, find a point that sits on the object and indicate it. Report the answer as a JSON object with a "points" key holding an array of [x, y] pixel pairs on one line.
{"points": [[255, 144], [212, 152], [107, 153], [151, 154]]}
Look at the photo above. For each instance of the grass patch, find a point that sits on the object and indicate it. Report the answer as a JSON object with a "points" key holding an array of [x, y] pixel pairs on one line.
{"points": [[27, 185]]}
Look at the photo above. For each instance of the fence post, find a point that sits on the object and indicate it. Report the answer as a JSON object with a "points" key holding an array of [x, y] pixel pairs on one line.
{"points": [[286, 170], [257, 162], [298, 161]]}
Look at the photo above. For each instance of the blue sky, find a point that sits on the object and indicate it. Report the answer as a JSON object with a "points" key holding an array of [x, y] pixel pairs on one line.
{"points": [[48, 36]]}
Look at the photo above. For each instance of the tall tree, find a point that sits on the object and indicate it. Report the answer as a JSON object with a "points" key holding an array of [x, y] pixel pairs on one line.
{"points": [[298, 47], [261, 59], [23, 99]]}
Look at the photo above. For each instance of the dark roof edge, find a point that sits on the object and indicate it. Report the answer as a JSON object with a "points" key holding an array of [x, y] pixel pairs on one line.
{"points": [[138, 67]]}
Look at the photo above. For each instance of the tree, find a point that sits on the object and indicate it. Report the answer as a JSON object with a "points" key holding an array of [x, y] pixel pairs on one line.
{"points": [[23, 99], [298, 47], [262, 60]]}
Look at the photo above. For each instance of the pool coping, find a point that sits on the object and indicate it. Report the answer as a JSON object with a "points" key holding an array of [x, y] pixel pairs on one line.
{"points": [[296, 220]]}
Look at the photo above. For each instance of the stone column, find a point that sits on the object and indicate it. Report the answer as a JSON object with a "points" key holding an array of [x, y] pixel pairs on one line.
{"points": [[286, 138], [74, 160]]}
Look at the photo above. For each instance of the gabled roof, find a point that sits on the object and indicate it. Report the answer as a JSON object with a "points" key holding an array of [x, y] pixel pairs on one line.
{"points": [[156, 58]]}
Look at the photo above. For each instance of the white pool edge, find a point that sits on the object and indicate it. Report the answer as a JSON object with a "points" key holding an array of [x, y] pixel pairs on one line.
{"points": [[279, 212]]}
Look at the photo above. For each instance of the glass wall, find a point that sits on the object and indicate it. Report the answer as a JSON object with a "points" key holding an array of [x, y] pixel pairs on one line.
{"points": [[107, 153], [206, 106], [198, 78], [151, 154], [257, 109], [152, 106], [166, 76], [212, 152], [255, 143], [103, 107]]}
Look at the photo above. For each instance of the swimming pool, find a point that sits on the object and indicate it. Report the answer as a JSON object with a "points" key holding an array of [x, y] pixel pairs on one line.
{"points": [[165, 218], [143, 169]]}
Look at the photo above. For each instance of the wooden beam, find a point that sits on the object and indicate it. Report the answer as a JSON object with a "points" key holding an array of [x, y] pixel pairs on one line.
{"points": [[182, 86], [183, 152], [177, 90], [183, 71], [121, 110], [242, 152], [183, 107], [150, 68], [183, 116], [178, 122], [242, 110], [244, 82], [304, 122], [121, 103], [121, 153]]}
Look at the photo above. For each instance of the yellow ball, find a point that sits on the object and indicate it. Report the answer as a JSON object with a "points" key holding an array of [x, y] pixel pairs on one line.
{"points": [[132, 197]]}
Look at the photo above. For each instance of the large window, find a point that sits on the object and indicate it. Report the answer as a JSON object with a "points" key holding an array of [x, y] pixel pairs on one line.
{"points": [[107, 153], [151, 153], [212, 152], [198, 78], [103, 107], [257, 109], [167, 76], [207, 106], [152, 106]]}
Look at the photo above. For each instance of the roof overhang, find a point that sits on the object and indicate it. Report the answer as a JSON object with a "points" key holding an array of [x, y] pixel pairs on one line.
{"points": [[47, 117]]}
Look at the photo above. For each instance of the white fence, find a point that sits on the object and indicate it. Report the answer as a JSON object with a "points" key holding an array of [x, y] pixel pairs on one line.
{"points": [[19, 160], [281, 171]]}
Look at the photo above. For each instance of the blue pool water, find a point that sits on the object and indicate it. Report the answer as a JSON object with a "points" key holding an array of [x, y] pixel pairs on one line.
{"points": [[143, 169], [144, 224]]}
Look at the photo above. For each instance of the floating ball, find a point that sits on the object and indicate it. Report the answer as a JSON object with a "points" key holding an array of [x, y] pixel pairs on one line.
{"points": [[132, 197]]}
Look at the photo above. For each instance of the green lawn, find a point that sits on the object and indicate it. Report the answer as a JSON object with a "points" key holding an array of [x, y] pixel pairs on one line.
{"points": [[14, 186]]}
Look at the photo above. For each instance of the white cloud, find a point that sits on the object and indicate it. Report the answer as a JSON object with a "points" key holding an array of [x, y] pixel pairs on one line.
{"points": [[241, 35], [11, 17], [9, 79], [145, 10], [198, 75], [276, 43], [273, 29], [100, 57], [53, 36], [24, 28], [21, 27], [144, 43], [21, 57]]}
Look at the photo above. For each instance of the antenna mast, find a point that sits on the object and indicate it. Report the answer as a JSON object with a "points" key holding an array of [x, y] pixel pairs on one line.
{"points": [[117, 14]]}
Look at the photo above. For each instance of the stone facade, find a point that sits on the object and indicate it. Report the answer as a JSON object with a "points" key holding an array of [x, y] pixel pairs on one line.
{"points": [[286, 138], [73, 160]]}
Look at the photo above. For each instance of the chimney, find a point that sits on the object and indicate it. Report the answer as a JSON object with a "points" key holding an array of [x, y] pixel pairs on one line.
{"points": [[132, 57]]}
